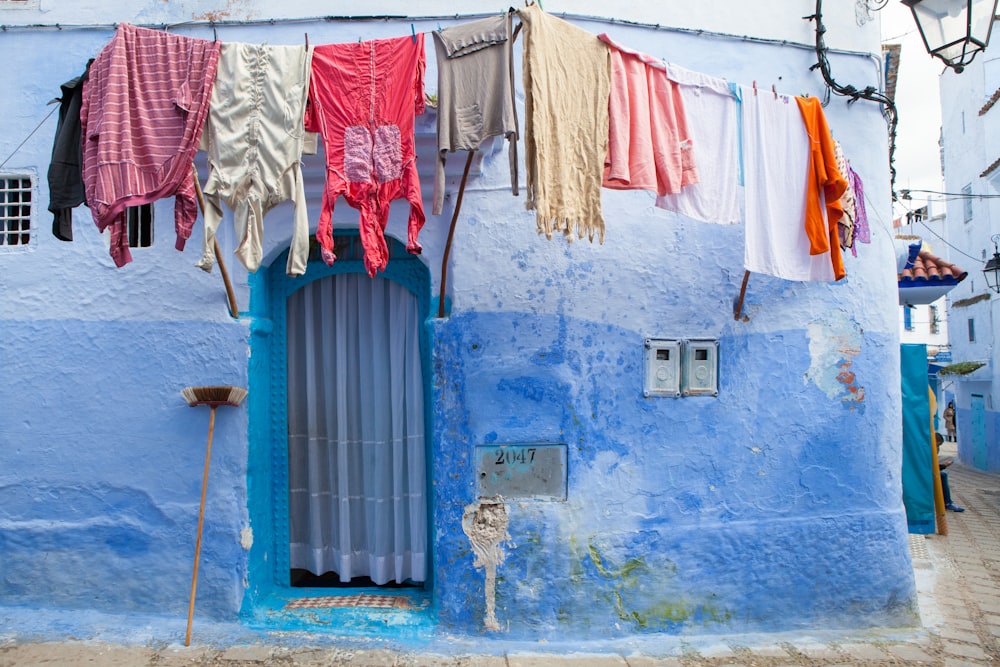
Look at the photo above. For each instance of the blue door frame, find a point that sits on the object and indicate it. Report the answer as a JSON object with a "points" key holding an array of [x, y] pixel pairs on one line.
{"points": [[977, 405], [267, 468]]}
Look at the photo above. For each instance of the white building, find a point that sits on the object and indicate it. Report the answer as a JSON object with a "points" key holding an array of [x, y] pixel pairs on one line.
{"points": [[971, 165], [763, 493]]}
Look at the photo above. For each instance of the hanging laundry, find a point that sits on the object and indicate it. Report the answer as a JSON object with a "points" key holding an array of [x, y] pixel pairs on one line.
{"points": [[712, 112], [825, 186], [862, 233], [475, 92], [254, 140], [363, 98], [846, 224], [143, 111], [565, 131], [65, 176], [649, 147], [776, 164]]}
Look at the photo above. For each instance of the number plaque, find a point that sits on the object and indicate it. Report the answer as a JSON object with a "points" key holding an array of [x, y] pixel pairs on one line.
{"points": [[528, 471]]}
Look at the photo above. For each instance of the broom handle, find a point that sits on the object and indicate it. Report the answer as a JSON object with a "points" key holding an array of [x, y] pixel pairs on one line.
{"points": [[234, 312], [201, 522]]}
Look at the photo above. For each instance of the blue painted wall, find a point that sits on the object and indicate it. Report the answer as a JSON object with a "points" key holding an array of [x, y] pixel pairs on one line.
{"points": [[775, 505]]}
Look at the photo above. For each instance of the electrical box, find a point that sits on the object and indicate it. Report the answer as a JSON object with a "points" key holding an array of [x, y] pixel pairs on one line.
{"points": [[701, 368], [663, 368]]}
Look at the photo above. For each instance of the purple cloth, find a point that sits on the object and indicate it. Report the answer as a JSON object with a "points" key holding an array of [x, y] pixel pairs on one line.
{"points": [[861, 231]]}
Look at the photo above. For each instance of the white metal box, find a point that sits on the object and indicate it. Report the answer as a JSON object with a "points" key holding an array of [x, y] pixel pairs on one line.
{"points": [[663, 365], [701, 368]]}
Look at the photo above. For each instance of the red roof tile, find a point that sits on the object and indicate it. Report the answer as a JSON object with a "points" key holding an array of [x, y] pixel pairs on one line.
{"points": [[986, 172], [929, 268], [990, 102]]}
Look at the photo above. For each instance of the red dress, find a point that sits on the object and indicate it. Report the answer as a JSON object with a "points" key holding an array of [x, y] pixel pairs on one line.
{"points": [[363, 98]]}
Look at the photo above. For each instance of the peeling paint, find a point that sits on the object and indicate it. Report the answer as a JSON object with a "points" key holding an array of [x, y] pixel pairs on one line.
{"points": [[235, 9], [833, 344], [246, 538], [485, 523]]}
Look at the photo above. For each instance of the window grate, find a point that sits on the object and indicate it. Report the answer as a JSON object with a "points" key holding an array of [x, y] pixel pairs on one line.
{"points": [[140, 226], [15, 210]]}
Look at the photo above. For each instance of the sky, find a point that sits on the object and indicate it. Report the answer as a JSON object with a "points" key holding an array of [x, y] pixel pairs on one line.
{"points": [[918, 157]]}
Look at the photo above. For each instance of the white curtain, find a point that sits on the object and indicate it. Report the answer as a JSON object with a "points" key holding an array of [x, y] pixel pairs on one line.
{"points": [[356, 471]]}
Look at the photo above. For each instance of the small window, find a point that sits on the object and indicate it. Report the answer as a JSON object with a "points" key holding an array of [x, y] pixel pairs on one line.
{"points": [[15, 210], [935, 324], [140, 226], [972, 330], [907, 318], [967, 203]]}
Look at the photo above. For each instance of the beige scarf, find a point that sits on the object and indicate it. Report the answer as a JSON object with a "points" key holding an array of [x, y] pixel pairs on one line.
{"points": [[567, 82]]}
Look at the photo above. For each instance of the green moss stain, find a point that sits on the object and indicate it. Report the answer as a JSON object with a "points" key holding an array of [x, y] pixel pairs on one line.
{"points": [[628, 578]]}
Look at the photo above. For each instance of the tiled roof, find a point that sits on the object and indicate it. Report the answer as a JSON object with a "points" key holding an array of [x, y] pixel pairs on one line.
{"points": [[989, 103], [990, 169], [890, 54], [930, 269]]}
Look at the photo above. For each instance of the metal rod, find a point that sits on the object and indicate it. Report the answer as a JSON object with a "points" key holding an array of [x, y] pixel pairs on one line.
{"points": [[743, 292], [451, 234]]}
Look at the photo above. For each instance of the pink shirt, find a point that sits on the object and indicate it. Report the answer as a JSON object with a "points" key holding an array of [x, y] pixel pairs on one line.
{"points": [[649, 144], [143, 110]]}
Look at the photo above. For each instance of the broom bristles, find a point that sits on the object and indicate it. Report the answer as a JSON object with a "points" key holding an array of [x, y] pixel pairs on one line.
{"points": [[217, 395]]}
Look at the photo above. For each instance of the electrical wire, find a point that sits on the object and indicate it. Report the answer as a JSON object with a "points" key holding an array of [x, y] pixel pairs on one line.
{"points": [[953, 195], [28, 137], [429, 18], [945, 241], [941, 238], [869, 93]]}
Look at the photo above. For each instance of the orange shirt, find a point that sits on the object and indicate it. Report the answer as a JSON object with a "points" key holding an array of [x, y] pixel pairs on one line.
{"points": [[823, 177]]}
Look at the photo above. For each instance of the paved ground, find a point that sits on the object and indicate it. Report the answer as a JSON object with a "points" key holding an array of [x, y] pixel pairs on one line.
{"points": [[958, 578]]}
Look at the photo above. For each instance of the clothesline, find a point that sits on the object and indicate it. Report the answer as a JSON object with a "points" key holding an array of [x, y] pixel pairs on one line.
{"points": [[432, 17], [669, 170]]}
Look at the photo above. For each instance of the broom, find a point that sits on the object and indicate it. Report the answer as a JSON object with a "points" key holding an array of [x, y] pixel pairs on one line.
{"points": [[212, 397]]}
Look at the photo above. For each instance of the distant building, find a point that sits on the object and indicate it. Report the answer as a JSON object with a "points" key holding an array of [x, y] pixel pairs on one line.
{"points": [[971, 167]]}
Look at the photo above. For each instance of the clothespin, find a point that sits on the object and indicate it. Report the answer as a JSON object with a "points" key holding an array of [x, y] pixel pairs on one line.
{"points": [[307, 41], [439, 27], [215, 33], [755, 88], [413, 33], [774, 90]]}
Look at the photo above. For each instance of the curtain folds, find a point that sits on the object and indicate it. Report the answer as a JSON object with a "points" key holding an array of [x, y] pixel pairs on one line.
{"points": [[356, 468]]}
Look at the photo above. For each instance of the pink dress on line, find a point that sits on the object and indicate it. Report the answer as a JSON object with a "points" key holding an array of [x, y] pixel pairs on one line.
{"points": [[363, 98], [144, 107], [649, 145]]}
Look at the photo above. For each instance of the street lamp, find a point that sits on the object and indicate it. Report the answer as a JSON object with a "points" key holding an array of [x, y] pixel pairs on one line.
{"points": [[954, 30], [992, 269]]}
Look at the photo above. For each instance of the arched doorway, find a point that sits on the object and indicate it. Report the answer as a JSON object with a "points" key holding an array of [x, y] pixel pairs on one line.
{"points": [[337, 475]]}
